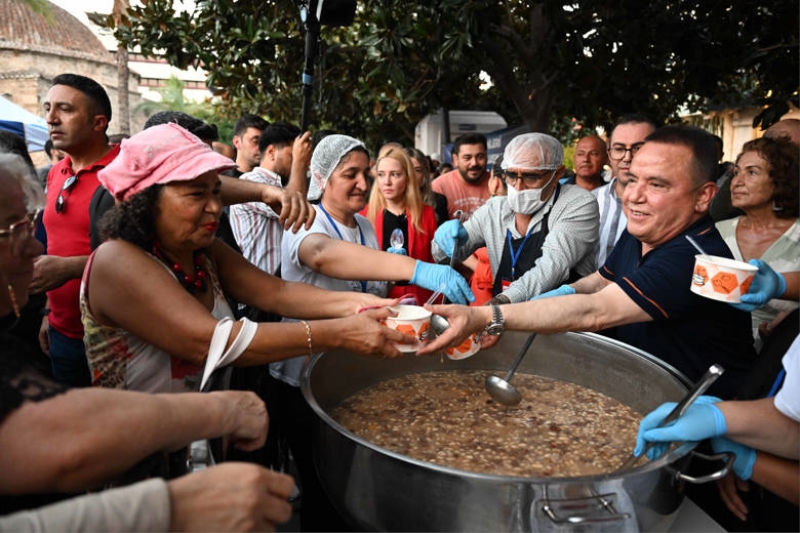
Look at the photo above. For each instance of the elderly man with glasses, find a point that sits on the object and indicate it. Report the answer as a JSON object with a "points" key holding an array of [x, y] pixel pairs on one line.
{"points": [[538, 236], [626, 139]]}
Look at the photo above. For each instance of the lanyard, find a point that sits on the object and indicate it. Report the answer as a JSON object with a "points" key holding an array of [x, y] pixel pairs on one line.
{"points": [[778, 381], [339, 233], [515, 255]]}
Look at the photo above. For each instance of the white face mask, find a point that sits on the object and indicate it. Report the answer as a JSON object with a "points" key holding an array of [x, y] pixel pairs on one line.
{"points": [[528, 201]]}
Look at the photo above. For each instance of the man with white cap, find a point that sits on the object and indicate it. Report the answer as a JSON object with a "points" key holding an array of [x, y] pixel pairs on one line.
{"points": [[540, 235]]}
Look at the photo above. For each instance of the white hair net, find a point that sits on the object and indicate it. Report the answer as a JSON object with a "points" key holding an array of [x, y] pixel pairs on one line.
{"points": [[533, 151], [328, 154]]}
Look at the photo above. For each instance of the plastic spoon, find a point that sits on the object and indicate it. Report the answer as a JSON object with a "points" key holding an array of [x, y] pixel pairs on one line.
{"points": [[697, 246], [501, 390]]}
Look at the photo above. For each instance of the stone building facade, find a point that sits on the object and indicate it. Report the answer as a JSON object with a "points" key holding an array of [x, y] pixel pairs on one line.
{"points": [[39, 40]]}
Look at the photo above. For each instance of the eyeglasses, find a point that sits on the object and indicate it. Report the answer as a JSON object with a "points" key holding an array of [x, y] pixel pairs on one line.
{"points": [[20, 232], [618, 152], [530, 179], [61, 201]]}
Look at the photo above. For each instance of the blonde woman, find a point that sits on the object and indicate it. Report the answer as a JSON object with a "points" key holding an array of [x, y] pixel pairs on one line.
{"points": [[396, 206], [422, 167]]}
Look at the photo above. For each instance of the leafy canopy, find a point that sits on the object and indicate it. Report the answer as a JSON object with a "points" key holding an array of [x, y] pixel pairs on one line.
{"points": [[549, 61]]}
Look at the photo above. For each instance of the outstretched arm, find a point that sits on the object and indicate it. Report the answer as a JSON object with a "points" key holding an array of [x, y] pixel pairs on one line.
{"points": [[160, 312], [295, 211], [576, 312], [759, 425], [84, 437]]}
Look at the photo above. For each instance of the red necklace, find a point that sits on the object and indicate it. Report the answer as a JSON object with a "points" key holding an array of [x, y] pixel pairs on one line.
{"points": [[190, 283]]}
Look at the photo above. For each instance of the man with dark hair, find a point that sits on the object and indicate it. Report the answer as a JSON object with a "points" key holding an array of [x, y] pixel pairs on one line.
{"points": [[466, 187], [625, 139], [643, 290], [77, 110], [246, 132], [53, 156], [285, 156], [204, 131]]}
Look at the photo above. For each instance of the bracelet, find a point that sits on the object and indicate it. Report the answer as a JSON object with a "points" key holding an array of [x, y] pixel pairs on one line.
{"points": [[308, 337]]}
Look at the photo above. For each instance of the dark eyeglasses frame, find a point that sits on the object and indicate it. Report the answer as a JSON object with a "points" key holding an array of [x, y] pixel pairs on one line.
{"points": [[18, 240], [531, 179], [61, 201], [632, 149]]}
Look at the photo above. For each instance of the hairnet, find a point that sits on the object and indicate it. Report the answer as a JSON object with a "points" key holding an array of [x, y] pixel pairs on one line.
{"points": [[328, 154], [533, 151]]}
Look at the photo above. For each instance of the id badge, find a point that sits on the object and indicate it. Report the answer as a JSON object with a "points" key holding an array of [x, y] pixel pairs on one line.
{"points": [[505, 283]]}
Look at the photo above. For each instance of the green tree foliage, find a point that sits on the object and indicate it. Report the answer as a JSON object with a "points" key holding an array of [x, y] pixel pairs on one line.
{"points": [[172, 99], [550, 61]]}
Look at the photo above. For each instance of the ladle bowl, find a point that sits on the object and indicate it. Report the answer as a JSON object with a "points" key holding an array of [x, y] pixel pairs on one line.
{"points": [[501, 390]]}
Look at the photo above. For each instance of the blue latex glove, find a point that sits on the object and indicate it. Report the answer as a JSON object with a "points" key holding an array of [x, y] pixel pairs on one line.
{"points": [[430, 276], [398, 251], [563, 290], [745, 456], [450, 234], [767, 284], [702, 420]]}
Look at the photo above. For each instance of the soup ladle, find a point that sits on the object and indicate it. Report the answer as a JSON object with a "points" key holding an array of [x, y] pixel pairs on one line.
{"points": [[501, 390], [711, 375]]}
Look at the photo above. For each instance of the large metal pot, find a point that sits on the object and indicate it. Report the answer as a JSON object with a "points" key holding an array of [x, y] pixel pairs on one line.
{"points": [[380, 490]]}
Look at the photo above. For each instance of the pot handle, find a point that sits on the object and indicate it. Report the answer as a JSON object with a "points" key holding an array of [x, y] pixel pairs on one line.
{"points": [[728, 457], [604, 503]]}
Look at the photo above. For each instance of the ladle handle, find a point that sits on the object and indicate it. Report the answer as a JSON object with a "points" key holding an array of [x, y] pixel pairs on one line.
{"points": [[520, 356], [460, 216], [711, 375]]}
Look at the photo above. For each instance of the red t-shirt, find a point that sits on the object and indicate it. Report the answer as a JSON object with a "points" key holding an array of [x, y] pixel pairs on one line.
{"points": [[463, 196], [68, 235]]}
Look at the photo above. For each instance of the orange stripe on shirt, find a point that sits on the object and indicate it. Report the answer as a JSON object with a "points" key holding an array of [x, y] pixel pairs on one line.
{"points": [[646, 298], [704, 231]]}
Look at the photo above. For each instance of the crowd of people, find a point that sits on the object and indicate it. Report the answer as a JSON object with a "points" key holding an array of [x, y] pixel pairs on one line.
{"points": [[177, 291]]}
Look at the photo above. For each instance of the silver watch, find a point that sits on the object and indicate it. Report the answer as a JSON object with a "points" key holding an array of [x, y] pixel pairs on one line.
{"points": [[498, 324]]}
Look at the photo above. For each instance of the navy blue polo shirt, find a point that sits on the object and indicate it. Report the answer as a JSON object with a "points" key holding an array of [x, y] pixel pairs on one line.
{"points": [[688, 331]]}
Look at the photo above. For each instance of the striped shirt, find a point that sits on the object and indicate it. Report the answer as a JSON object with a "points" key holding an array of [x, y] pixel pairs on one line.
{"points": [[612, 220], [256, 226]]}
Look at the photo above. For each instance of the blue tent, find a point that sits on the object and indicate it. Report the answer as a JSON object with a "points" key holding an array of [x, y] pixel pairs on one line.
{"points": [[27, 125]]}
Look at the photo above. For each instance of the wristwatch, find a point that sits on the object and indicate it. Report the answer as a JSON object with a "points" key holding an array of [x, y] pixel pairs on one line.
{"points": [[498, 324]]}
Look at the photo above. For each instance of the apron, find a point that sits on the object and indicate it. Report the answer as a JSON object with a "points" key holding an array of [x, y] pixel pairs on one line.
{"points": [[520, 255]]}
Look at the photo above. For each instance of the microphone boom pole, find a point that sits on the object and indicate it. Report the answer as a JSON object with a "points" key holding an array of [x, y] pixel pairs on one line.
{"points": [[312, 42]]}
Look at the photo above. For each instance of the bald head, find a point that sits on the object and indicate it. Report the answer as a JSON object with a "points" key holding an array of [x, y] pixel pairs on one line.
{"points": [[788, 127], [590, 157]]}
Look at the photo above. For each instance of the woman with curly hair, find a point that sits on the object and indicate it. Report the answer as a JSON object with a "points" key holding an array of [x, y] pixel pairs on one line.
{"points": [[153, 294], [765, 186]]}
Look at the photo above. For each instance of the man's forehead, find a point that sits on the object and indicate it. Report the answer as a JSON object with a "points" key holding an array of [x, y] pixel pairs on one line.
{"points": [[471, 149], [631, 133], [250, 131], [662, 158], [587, 143], [64, 93]]}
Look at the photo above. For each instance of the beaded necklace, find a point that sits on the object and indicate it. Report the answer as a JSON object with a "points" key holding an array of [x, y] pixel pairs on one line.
{"points": [[190, 283]]}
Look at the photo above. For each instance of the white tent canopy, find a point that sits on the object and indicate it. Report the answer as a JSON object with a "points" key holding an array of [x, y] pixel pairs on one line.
{"points": [[19, 120]]}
